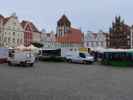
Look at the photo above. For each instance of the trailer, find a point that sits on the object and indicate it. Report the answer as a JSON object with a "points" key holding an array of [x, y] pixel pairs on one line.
{"points": [[50, 55], [117, 57]]}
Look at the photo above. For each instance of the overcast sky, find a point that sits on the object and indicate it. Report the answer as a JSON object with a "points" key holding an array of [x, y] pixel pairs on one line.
{"points": [[90, 15]]}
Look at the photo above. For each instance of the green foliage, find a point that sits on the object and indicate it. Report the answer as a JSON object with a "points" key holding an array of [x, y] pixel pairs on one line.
{"points": [[36, 44]]}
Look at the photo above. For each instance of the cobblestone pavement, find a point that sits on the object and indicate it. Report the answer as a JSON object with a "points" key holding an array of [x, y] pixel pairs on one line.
{"points": [[62, 81]]}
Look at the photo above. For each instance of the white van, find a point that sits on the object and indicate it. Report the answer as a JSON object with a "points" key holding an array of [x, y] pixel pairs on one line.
{"points": [[69, 51], [83, 58], [21, 58]]}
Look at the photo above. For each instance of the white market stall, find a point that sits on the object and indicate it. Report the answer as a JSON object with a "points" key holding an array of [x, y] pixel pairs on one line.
{"points": [[21, 48], [33, 49]]}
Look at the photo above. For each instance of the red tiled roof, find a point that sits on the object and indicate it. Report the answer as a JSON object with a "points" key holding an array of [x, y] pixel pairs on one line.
{"points": [[73, 36], [6, 20], [34, 28], [23, 23]]}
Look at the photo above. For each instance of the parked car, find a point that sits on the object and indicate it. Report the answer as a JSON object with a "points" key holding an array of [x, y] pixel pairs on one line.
{"points": [[21, 58], [82, 58]]}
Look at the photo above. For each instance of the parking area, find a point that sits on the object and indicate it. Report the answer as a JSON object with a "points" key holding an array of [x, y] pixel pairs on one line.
{"points": [[63, 81]]}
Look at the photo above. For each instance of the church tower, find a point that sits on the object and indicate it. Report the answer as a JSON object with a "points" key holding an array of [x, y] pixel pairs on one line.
{"points": [[119, 35], [63, 26]]}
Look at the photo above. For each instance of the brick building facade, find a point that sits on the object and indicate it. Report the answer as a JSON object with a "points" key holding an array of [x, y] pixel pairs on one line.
{"points": [[119, 35]]}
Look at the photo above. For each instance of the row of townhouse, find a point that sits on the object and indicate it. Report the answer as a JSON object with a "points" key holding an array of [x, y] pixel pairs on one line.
{"points": [[14, 33], [120, 36], [95, 40], [66, 37], [48, 40]]}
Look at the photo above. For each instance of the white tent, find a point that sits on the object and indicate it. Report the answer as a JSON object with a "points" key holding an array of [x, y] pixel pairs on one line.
{"points": [[130, 50], [10, 48], [99, 49], [21, 47], [32, 47]]}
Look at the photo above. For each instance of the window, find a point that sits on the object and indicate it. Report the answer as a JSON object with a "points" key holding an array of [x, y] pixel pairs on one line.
{"points": [[48, 35], [101, 43], [92, 44], [14, 23], [17, 41], [66, 29], [97, 44], [128, 42], [8, 27], [128, 37], [88, 44], [60, 33], [13, 33], [9, 39], [21, 41], [13, 28], [5, 39], [13, 40], [82, 55]]}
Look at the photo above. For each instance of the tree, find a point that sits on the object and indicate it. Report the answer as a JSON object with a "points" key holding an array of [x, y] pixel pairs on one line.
{"points": [[36, 44]]}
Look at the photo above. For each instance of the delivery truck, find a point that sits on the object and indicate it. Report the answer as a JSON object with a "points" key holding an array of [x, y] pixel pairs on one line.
{"points": [[23, 58]]}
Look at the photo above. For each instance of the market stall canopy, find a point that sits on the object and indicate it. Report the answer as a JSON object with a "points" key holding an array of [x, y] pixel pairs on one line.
{"points": [[21, 47], [115, 50], [10, 48], [99, 49], [32, 47]]}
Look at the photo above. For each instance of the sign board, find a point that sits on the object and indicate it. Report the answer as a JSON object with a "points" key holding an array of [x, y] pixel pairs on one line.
{"points": [[83, 50]]}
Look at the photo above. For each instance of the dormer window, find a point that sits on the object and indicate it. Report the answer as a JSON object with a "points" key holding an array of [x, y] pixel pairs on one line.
{"points": [[13, 40]]}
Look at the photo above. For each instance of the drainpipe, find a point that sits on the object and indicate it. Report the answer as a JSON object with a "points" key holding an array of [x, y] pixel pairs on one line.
{"points": [[131, 38]]}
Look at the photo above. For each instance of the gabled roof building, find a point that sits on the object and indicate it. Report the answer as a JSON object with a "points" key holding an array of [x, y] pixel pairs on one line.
{"points": [[11, 32], [119, 36], [66, 35], [31, 33]]}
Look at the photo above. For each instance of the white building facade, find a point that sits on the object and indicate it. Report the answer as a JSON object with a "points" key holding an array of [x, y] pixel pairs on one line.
{"points": [[131, 37], [48, 40], [12, 34], [36, 37], [95, 40]]}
